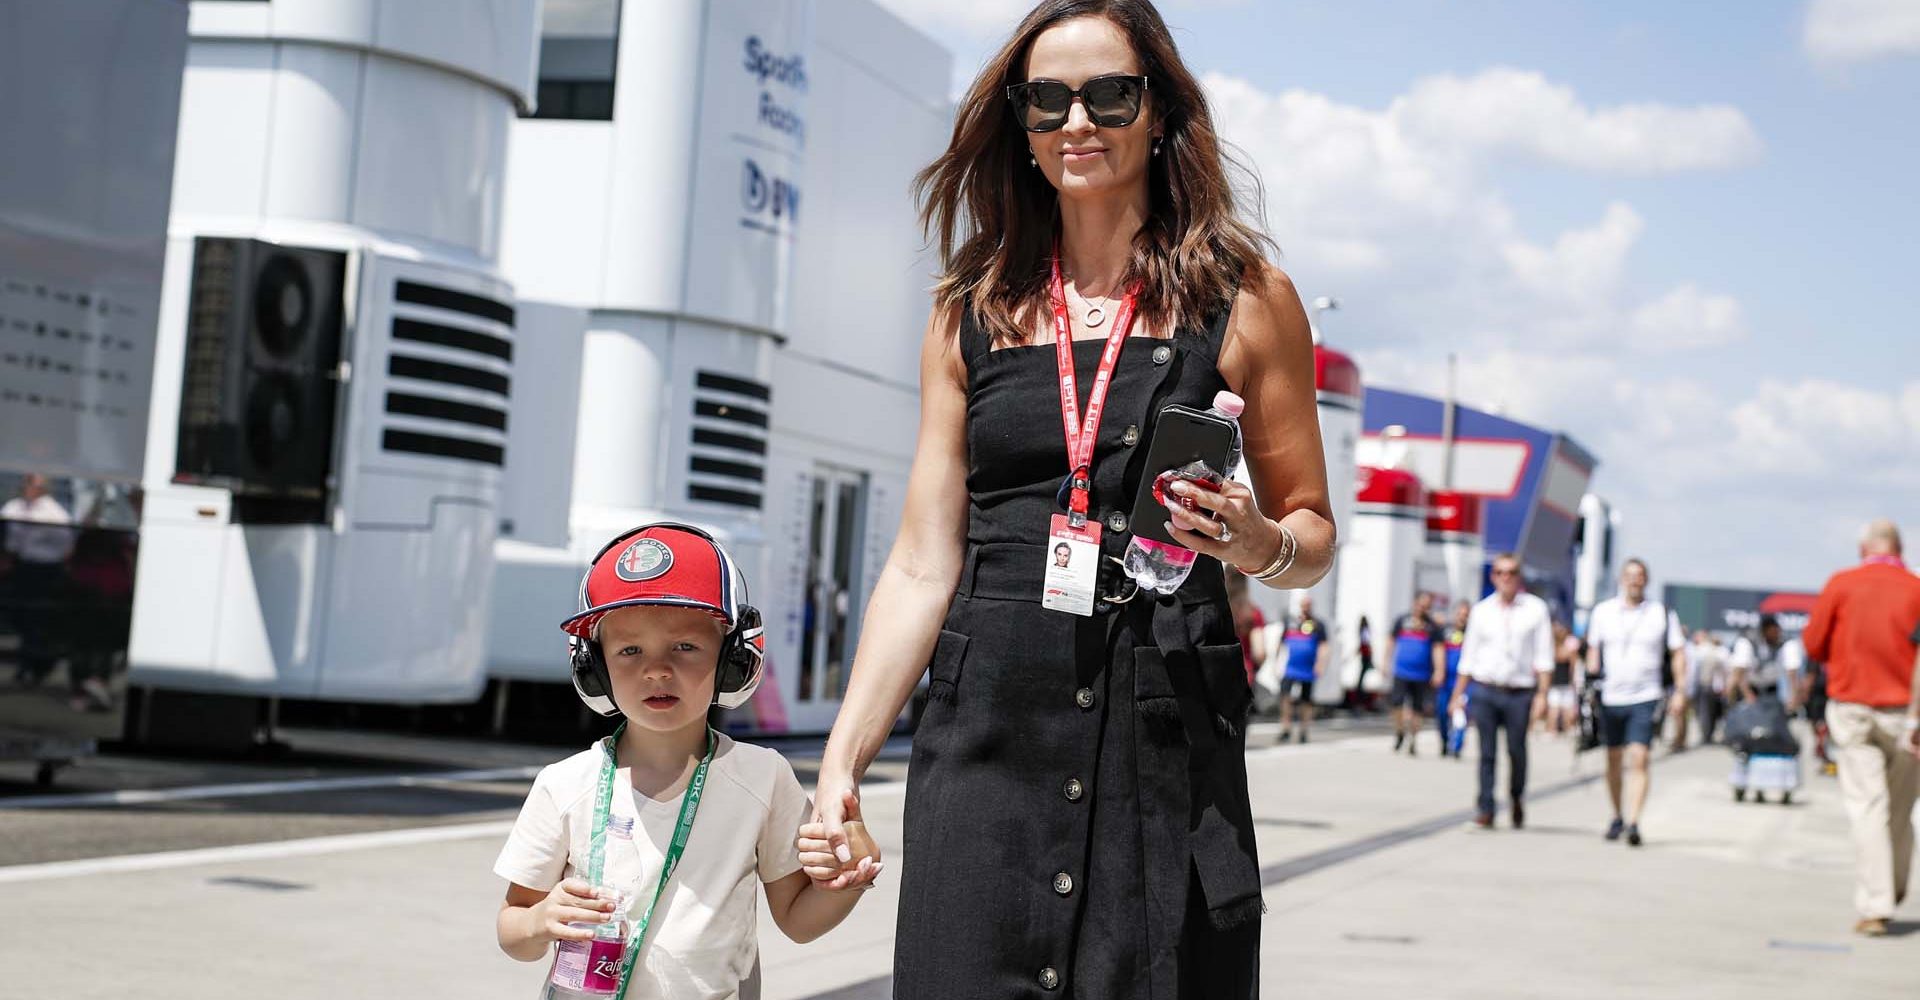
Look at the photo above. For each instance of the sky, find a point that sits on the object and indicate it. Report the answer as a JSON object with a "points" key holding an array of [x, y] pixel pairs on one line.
{"points": [[1683, 233]]}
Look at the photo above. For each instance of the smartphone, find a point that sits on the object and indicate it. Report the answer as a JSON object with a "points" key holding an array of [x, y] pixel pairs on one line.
{"points": [[1180, 436]]}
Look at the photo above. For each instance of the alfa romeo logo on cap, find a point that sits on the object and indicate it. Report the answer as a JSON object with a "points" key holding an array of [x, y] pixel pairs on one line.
{"points": [[645, 559]]}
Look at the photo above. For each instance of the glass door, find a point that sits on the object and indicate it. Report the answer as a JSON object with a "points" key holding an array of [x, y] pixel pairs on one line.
{"points": [[836, 546]]}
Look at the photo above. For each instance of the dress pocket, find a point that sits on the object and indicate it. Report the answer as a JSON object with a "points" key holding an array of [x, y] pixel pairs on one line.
{"points": [[1223, 669], [949, 654]]}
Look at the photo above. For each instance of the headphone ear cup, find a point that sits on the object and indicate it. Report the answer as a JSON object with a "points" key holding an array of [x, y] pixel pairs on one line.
{"points": [[590, 678], [741, 661]]}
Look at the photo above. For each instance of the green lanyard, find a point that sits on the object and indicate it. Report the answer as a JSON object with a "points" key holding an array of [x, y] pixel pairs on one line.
{"points": [[597, 852]]}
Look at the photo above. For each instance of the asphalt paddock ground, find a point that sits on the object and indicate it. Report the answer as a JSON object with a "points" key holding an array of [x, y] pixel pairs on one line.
{"points": [[1376, 884]]}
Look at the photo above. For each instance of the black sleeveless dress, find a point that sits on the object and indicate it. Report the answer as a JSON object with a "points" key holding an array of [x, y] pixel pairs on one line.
{"points": [[1077, 821]]}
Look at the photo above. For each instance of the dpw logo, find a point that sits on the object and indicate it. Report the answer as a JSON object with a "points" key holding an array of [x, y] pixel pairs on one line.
{"points": [[772, 203]]}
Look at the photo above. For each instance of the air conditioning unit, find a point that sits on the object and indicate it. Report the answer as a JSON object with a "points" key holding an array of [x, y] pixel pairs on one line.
{"points": [[259, 391]]}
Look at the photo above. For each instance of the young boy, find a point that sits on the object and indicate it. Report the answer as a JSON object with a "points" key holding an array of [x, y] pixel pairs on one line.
{"points": [[664, 632]]}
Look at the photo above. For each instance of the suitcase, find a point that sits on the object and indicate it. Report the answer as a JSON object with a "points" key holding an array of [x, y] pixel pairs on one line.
{"points": [[1761, 773], [1760, 727]]}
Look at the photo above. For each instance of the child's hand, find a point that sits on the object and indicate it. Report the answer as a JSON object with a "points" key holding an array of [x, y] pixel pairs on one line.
{"points": [[817, 857], [572, 901]]}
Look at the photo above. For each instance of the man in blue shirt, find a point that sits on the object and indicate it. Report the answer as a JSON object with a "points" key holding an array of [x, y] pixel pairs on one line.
{"points": [[1306, 647], [1418, 655]]}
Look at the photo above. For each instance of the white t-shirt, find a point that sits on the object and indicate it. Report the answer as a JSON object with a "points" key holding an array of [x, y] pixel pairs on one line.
{"points": [[1767, 666], [704, 941], [1707, 663], [37, 530], [1634, 643]]}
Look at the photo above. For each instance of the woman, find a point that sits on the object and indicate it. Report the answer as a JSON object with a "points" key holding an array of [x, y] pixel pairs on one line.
{"points": [[1563, 700], [1076, 812]]}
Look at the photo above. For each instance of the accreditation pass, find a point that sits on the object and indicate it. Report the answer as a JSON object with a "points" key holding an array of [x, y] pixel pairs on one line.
{"points": [[1073, 566]]}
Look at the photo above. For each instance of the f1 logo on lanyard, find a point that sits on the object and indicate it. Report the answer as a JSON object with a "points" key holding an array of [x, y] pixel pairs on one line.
{"points": [[1073, 542]]}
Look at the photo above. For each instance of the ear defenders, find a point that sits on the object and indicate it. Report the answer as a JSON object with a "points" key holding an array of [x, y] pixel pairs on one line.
{"points": [[743, 649]]}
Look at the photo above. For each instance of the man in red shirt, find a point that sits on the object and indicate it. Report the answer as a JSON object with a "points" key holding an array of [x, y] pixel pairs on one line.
{"points": [[1866, 628]]}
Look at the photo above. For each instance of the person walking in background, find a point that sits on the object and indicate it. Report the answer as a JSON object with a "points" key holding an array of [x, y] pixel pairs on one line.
{"points": [[1455, 638], [1248, 623], [1814, 698], [1770, 668], [1563, 705], [1635, 639], [1306, 648], [38, 536], [1419, 661], [1360, 699], [1707, 668], [1865, 627], [1505, 662]]}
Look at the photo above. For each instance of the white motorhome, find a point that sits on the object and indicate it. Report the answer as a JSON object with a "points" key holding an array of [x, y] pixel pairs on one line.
{"points": [[1379, 560], [1596, 556], [337, 351], [720, 190]]}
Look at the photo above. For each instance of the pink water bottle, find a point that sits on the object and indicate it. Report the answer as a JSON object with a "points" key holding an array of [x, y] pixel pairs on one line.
{"points": [[590, 970], [1162, 567]]}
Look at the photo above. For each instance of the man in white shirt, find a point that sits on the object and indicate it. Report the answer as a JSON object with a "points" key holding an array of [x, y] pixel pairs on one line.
{"points": [[1707, 666], [1505, 662], [1770, 668], [33, 565], [37, 528], [1631, 640]]}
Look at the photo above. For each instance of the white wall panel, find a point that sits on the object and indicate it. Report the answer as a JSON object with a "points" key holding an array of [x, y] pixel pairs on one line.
{"points": [[226, 102], [623, 398], [656, 112], [315, 100], [432, 152], [536, 486], [556, 219], [496, 40], [489, 39]]}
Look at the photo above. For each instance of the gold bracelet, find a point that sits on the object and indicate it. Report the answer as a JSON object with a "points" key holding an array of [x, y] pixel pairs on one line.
{"points": [[1282, 559]]}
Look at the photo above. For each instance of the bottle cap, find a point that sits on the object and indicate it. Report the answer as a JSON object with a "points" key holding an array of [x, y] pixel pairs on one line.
{"points": [[1229, 404]]}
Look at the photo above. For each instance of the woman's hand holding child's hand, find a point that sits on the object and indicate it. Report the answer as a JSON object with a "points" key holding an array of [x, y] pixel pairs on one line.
{"points": [[821, 861], [572, 901]]}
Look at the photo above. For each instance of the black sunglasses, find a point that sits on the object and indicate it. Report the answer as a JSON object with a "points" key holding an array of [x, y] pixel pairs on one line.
{"points": [[1111, 101]]}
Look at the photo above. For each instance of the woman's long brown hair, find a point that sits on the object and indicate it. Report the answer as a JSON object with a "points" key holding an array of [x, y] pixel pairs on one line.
{"points": [[996, 215]]}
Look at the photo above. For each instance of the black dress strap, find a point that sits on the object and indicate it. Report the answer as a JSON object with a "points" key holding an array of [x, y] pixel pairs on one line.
{"points": [[975, 342], [1215, 332]]}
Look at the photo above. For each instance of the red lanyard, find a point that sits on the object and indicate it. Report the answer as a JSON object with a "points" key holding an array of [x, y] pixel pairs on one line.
{"points": [[1080, 435]]}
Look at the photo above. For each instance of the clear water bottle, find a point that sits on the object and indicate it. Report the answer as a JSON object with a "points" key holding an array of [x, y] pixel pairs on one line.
{"points": [[1162, 567]]}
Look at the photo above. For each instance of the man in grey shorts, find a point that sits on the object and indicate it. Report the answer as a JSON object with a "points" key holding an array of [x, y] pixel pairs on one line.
{"points": [[1630, 639]]}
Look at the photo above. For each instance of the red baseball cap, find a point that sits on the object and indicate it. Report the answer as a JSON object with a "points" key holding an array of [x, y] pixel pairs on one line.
{"points": [[668, 565]]}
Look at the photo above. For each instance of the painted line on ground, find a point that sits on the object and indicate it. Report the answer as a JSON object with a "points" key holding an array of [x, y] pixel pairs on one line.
{"points": [[249, 789], [298, 786], [1306, 864], [307, 847]]}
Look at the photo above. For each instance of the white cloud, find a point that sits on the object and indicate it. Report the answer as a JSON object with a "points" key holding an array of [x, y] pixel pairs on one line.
{"points": [[1850, 31], [1520, 111], [1402, 217], [1583, 265], [1815, 429], [1687, 319]]}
